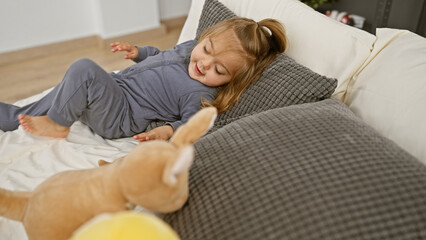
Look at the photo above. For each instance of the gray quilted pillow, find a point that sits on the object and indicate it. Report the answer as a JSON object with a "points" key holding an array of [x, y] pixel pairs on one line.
{"points": [[213, 12], [283, 83], [308, 171]]}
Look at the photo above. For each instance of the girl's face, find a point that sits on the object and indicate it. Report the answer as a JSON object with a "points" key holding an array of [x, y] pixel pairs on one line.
{"points": [[214, 60]]}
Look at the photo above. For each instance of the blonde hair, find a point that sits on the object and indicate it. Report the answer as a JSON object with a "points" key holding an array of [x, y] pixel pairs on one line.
{"points": [[261, 41]]}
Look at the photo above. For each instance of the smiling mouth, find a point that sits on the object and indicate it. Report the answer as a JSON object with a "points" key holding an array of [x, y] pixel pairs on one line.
{"points": [[197, 71]]}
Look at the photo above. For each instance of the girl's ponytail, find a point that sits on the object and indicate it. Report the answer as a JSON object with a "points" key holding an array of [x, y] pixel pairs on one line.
{"points": [[276, 35]]}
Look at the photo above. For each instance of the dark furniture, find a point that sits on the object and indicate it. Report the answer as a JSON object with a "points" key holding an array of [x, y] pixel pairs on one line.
{"points": [[402, 14]]}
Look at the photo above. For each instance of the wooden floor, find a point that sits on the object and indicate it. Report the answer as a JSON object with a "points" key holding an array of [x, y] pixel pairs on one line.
{"points": [[24, 79]]}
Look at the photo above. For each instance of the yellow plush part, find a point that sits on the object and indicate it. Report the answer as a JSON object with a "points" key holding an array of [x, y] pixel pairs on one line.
{"points": [[126, 225]]}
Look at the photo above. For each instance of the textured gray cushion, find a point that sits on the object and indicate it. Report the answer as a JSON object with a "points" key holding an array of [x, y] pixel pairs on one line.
{"points": [[283, 83], [308, 171], [213, 12]]}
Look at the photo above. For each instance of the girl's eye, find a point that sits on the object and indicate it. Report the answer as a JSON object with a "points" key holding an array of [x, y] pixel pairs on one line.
{"points": [[205, 49], [218, 72]]}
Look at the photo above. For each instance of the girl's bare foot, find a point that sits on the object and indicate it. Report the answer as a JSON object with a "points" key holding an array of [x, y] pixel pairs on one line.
{"points": [[42, 126]]}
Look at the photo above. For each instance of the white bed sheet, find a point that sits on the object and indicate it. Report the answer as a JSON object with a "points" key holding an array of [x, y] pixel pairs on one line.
{"points": [[27, 160]]}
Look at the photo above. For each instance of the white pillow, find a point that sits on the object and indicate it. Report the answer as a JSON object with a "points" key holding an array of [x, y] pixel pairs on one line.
{"points": [[322, 44], [390, 90], [189, 29]]}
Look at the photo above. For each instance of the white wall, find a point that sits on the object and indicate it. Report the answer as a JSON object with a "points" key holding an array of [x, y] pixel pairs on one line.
{"points": [[27, 23], [30, 23], [115, 18], [174, 8]]}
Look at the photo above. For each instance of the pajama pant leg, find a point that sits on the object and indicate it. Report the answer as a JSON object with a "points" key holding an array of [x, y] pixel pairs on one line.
{"points": [[86, 93], [9, 112]]}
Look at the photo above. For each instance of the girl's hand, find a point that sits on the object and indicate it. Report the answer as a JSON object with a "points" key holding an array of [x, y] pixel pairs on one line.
{"points": [[160, 133], [132, 51]]}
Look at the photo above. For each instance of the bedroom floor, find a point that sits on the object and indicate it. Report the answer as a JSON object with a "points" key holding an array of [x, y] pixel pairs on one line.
{"points": [[24, 79]]}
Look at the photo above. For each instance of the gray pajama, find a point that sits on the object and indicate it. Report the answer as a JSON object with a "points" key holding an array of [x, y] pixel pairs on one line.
{"points": [[157, 87]]}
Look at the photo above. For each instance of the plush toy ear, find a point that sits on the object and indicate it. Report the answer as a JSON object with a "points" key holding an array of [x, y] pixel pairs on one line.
{"points": [[196, 127], [177, 167]]}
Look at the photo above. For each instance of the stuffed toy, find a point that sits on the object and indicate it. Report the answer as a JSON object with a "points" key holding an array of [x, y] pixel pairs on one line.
{"points": [[154, 175], [126, 225]]}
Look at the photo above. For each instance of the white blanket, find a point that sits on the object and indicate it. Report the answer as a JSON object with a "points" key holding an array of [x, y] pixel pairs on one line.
{"points": [[27, 160]]}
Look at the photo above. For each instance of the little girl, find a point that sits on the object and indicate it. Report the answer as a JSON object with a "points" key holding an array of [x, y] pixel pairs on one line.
{"points": [[168, 85]]}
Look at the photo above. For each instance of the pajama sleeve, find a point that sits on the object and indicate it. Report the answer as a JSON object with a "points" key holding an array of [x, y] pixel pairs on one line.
{"points": [[189, 105], [144, 52]]}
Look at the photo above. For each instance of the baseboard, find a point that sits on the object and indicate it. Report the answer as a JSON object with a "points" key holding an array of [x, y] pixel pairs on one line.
{"points": [[85, 42], [174, 22], [135, 37]]}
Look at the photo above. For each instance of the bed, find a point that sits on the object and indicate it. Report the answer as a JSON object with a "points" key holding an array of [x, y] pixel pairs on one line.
{"points": [[27, 160], [339, 155]]}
